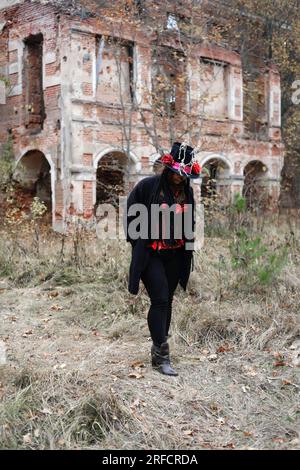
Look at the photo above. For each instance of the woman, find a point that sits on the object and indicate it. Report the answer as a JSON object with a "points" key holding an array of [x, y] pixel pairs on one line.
{"points": [[162, 261]]}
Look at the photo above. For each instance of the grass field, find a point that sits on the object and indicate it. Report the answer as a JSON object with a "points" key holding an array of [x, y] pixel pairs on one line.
{"points": [[77, 370]]}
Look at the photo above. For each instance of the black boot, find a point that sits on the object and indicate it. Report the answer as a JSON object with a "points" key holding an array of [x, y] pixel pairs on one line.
{"points": [[161, 359]]}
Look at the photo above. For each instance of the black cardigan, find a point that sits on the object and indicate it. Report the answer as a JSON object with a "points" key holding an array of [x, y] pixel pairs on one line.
{"points": [[142, 193]]}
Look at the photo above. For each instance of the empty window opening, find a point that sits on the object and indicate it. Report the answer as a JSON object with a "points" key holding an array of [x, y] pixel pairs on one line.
{"points": [[213, 86], [255, 103], [172, 22], [33, 79], [115, 72], [111, 172], [169, 83], [254, 189], [215, 179]]}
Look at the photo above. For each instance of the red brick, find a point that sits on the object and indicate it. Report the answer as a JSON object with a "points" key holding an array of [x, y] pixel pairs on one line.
{"points": [[217, 135], [276, 151], [87, 198], [87, 89], [51, 69], [88, 159]]}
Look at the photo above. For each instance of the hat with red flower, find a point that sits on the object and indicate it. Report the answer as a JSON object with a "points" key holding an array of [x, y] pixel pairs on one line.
{"points": [[182, 160]]}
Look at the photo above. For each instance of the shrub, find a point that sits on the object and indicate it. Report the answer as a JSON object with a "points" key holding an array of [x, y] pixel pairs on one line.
{"points": [[256, 262]]}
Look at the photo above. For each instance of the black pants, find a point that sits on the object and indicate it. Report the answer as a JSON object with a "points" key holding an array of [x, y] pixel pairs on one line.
{"points": [[160, 279]]}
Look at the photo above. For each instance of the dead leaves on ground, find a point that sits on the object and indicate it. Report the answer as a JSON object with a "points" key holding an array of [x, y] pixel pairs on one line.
{"points": [[27, 333], [224, 348], [135, 375], [290, 358], [138, 367], [56, 308], [137, 404], [53, 294], [137, 364]]}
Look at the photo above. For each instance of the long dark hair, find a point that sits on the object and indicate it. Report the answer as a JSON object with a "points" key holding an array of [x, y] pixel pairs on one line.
{"points": [[164, 185]]}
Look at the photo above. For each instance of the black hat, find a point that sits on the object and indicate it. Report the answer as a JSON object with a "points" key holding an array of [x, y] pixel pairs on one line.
{"points": [[182, 160]]}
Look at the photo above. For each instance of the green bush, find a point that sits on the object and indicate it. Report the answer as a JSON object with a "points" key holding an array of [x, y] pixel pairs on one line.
{"points": [[7, 164], [256, 262]]}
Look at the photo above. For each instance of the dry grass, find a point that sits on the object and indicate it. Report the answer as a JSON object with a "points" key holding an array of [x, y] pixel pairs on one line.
{"points": [[78, 373]]}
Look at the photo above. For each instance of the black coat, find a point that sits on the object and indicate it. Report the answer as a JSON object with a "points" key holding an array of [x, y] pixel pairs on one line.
{"points": [[142, 193]]}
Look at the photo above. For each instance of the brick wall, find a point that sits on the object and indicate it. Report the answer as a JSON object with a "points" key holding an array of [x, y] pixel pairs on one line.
{"points": [[28, 71], [87, 199], [97, 120]]}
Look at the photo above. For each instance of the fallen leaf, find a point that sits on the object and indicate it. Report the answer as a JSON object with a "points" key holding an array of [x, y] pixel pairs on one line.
{"points": [[248, 434], [250, 371], [277, 355], [287, 382], [224, 348], [280, 364], [230, 445], [27, 333], [188, 432], [53, 294], [57, 308], [37, 433], [207, 445], [135, 375], [280, 440], [137, 364]]}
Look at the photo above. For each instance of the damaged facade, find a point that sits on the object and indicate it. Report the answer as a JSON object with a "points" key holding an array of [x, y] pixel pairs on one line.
{"points": [[75, 135]]}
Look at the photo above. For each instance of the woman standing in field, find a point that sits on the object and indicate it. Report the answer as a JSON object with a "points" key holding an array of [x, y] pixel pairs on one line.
{"points": [[162, 258]]}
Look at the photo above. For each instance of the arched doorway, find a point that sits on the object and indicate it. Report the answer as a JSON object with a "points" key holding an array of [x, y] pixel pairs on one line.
{"points": [[111, 178], [254, 189], [33, 179], [215, 178]]}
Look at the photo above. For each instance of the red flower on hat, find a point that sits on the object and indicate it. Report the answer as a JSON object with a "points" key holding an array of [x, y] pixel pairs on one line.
{"points": [[196, 168], [167, 159]]}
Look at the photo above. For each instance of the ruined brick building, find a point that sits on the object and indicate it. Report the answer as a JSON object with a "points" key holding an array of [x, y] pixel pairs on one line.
{"points": [[62, 106]]}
